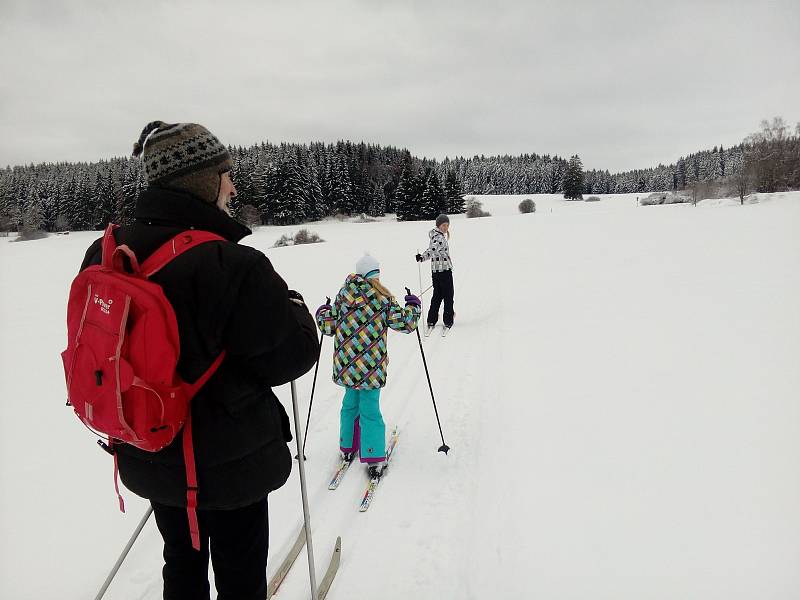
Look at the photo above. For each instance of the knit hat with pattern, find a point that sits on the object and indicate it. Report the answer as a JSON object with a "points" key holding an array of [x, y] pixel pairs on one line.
{"points": [[183, 156]]}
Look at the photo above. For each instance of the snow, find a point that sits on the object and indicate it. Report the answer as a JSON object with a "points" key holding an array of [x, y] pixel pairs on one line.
{"points": [[620, 393]]}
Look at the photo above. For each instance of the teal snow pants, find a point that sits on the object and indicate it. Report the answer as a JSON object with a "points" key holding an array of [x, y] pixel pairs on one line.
{"points": [[362, 427]]}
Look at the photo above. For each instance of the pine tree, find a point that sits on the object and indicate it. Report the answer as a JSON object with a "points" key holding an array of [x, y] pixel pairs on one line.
{"points": [[104, 201], [32, 213], [342, 188], [80, 207], [573, 179], [680, 173], [133, 182], [434, 201], [406, 199], [316, 202], [454, 194], [377, 204]]}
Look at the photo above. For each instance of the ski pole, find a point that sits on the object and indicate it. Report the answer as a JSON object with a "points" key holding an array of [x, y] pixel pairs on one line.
{"points": [[304, 493], [311, 402], [421, 293], [444, 447], [313, 386], [122, 556]]}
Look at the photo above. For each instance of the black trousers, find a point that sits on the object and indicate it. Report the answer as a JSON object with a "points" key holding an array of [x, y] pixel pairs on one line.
{"points": [[442, 291], [239, 541]]}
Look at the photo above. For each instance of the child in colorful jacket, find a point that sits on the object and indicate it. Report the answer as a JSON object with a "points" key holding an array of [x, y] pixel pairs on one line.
{"points": [[358, 320]]}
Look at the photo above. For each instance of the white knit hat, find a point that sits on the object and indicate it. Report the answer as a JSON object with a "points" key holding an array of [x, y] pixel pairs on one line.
{"points": [[367, 266]]}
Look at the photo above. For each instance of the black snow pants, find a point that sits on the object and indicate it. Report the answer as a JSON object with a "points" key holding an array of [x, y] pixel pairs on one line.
{"points": [[442, 291], [239, 541]]}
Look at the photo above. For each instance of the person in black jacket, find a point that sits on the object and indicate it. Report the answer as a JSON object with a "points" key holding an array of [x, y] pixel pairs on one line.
{"points": [[226, 297]]}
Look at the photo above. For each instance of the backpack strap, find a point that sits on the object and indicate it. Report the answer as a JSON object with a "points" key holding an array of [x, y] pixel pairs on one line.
{"points": [[175, 247], [109, 245], [191, 481], [188, 453], [113, 254]]}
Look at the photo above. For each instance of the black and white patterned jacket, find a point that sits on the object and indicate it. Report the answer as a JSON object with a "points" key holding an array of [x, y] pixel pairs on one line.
{"points": [[438, 252]]}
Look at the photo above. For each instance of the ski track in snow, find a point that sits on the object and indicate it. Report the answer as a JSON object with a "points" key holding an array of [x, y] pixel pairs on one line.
{"points": [[618, 392]]}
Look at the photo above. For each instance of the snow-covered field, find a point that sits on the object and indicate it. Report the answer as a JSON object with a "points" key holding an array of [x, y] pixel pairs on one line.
{"points": [[620, 392]]}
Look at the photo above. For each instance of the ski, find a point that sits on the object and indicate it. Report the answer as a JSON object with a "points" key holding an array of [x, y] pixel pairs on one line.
{"points": [[333, 568], [339, 474], [283, 570], [291, 557], [374, 481]]}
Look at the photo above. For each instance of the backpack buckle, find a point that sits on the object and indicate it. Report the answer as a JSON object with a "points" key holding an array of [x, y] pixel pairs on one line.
{"points": [[105, 447]]}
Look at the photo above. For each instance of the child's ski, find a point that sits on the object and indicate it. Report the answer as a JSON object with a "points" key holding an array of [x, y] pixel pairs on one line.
{"points": [[374, 481], [339, 474]]}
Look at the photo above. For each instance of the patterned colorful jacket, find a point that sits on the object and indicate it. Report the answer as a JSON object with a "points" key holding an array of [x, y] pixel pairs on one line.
{"points": [[358, 319], [438, 252]]}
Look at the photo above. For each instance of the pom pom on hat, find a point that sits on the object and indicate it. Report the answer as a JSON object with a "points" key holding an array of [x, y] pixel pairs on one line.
{"points": [[368, 266]]}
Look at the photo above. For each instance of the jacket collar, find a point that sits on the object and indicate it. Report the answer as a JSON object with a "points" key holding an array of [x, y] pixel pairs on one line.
{"points": [[160, 206]]}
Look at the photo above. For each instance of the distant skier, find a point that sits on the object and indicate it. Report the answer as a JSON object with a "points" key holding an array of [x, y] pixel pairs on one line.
{"points": [[359, 317], [438, 253]]}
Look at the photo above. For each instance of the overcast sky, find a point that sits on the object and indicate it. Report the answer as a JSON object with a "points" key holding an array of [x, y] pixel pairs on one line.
{"points": [[623, 84]]}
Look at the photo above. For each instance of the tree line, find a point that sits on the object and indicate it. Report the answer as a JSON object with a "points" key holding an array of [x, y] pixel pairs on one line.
{"points": [[293, 183]]}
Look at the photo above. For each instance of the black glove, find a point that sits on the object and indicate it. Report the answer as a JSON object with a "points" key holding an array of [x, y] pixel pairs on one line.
{"points": [[419, 257], [295, 297]]}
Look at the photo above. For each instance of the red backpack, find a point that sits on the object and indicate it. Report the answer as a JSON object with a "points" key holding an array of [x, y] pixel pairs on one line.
{"points": [[122, 352]]}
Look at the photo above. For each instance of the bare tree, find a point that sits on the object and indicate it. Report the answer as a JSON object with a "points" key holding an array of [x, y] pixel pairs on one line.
{"points": [[767, 155], [745, 177], [700, 190]]}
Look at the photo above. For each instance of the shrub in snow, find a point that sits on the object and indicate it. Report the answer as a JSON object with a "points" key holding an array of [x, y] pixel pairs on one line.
{"points": [[676, 199], [284, 240], [664, 198], [592, 199], [475, 209], [653, 199], [527, 206], [363, 218], [26, 235], [304, 236]]}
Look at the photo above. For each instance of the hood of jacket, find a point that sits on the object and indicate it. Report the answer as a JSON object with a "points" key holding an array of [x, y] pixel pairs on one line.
{"points": [[434, 232], [356, 292]]}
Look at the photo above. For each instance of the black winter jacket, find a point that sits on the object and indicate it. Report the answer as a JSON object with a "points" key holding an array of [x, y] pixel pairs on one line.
{"points": [[226, 297]]}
